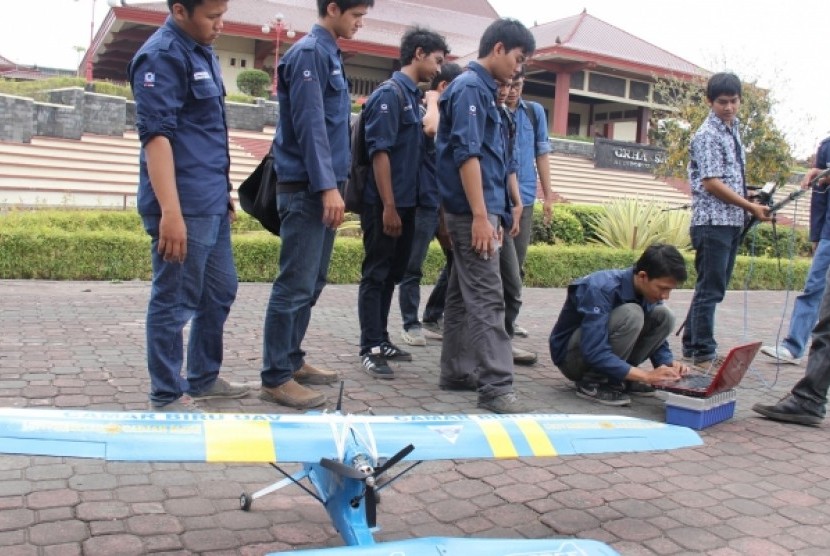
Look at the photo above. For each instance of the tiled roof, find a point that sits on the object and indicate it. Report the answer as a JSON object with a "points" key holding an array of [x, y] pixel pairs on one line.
{"points": [[461, 21], [592, 36]]}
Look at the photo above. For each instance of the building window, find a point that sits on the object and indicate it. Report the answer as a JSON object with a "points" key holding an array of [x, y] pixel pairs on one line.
{"points": [[639, 91], [243, 62], [606, 85], [233, 61]]}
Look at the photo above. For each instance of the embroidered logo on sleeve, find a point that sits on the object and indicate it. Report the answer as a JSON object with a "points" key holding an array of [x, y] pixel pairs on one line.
{"points": [[149, 79], [201, 75], [307, 75], [473, 109]]}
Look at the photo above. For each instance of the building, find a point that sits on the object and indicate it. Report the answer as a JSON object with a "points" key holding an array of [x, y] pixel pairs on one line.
{"points": [[593, 78]]}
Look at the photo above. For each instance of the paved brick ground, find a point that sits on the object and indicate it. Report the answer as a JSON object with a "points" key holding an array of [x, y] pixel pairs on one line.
{"points": [[756, 487]]}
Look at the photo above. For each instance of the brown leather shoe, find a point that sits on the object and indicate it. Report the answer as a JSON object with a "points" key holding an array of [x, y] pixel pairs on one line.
{"points": [[309, 374], [291, 394]]}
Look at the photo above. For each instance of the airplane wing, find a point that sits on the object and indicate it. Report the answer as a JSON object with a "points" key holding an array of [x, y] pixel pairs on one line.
{"points": [[433, 546], [251, 438]]}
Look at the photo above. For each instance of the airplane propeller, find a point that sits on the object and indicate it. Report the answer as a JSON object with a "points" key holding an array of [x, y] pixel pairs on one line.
{"points": [[365, 473]]}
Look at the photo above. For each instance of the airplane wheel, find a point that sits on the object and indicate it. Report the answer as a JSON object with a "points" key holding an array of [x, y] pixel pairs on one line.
{"points": [[245, 502]]}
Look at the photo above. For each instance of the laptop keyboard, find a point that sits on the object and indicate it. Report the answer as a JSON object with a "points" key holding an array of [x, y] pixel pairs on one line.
{"points": [[694, 381]]}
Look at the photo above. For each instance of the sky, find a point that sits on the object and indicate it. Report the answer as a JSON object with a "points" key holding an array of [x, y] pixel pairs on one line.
{"points": [[773, 42]]}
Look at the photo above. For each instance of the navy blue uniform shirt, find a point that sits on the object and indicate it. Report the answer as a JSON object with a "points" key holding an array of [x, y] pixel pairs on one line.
{"points": [[397, 130], [819, 215], [178, 91], [588, 306], [470, 126], [314, 96]]}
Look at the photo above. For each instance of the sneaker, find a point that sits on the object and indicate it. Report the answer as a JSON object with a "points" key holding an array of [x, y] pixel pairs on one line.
{"points": [[506, 403], [309, 374], [436, 328], [523, 357], [641, 389], [414, 336], [391, 351], [185, 404], [601, 393], [470, 383], [520, 332], [788, 410], [781, 353], [222, 389], [291, 394], [374, 363], [705, 363]]}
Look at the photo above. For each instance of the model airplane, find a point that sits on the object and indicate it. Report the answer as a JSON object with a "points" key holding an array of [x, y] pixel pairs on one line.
{"points": [[344, 457]]}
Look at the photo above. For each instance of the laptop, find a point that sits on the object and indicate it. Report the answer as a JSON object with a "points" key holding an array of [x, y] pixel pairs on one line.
{"points": [[703, 383]]}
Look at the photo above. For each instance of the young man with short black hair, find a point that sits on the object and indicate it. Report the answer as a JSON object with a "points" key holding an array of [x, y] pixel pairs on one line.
{"points": [[472, 170], [395, 145], [612, 321], [185, 204], [312, 157]]}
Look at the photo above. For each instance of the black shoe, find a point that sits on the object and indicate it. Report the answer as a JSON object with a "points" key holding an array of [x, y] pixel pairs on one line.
{"points": [[788, 410], [374, 363], [505, 403], [469, 384], [635, 388], [391, 351], [601, 393]]}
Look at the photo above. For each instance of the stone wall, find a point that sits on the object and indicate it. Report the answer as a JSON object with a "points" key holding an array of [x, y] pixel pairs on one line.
{"points": [[58, 120], [104, 114], [16, 119], [572, 148]]}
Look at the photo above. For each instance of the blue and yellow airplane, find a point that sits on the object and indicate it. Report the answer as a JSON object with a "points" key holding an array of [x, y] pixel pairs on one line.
{"points": [[344, 457]]}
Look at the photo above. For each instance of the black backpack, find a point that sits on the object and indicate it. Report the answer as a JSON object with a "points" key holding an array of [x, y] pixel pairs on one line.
{"points": [[361, 164]]}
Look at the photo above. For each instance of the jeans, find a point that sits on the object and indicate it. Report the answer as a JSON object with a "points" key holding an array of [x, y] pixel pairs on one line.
{"points": [[715, 250], [200, 290], [633, 336], [811, 391], [475, 342], [511, 279], [409, 290], [522, 240], [434, 309], [305, 253], [805, 310], [384, 263]]}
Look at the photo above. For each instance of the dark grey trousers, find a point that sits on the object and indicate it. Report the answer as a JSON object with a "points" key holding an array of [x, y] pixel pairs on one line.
{"points": [[475, 341], [811, 391], [633, 337]]}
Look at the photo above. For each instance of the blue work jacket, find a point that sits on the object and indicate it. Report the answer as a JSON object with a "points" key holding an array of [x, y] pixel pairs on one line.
{"points": [[471, 126], [395, 128], [312, 139], [588, 307], [179, 94]]}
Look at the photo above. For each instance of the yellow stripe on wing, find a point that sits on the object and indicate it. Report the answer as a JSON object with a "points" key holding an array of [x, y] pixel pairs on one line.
{"points": [[499, 439], [536, 437], [242, 441]]}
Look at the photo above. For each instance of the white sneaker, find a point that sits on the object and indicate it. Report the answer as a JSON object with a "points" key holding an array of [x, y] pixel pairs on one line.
{"points": [[519, 331], [414, 336], [781, 353]]}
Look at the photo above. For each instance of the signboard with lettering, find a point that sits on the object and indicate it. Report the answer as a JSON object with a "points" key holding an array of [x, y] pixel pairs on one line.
{"points": [[622, 155]]}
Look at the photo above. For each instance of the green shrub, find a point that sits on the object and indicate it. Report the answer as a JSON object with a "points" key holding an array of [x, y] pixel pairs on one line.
{"points": [[585, 214], [109, 245], [761, 241], [240, 98], [37, 89], [254, 82], [564, 228]]}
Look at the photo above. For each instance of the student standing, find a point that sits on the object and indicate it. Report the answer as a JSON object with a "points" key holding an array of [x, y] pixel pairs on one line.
{"points": [[311, 151], [472, 171], [185, 204]]}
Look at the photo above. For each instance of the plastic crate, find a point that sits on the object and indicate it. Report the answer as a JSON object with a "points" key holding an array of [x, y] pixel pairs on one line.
{"points": [[699, 413]]}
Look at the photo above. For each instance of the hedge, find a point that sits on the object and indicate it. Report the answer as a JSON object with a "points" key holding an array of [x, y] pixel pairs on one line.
{"points": [[56, 254]]}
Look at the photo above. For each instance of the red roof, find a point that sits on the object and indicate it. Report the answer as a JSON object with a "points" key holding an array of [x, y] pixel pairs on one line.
{"points": [[592, 38]]}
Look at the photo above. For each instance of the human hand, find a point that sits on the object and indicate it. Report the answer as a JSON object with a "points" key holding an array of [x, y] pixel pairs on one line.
{"points": [[484, 237], [392, 225], [547, 211], [172, 237], [334, 209], [517, 220]]}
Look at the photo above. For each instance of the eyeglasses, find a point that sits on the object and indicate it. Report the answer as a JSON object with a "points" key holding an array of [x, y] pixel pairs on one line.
{"points": [[516, 86]]}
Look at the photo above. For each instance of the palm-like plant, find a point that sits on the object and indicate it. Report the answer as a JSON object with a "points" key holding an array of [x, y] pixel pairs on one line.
{"points": [[635, 224]]}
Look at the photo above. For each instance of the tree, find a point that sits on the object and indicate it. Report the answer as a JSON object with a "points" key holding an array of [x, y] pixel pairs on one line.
{"points": [[768, 155], [253, 82]]}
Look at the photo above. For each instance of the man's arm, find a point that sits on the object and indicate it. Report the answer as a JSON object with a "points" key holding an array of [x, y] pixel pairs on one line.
{"points": [[543, 167], [382, 168], [161, 168], [483, 233], [720, 190], [516, 200], [308, 117]]}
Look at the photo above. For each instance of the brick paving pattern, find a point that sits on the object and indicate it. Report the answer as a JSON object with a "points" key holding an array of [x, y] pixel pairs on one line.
{"points": [[755, 487]]}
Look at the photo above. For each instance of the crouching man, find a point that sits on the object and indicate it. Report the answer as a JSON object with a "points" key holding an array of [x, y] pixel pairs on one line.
{"points": [[612, 321]]}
